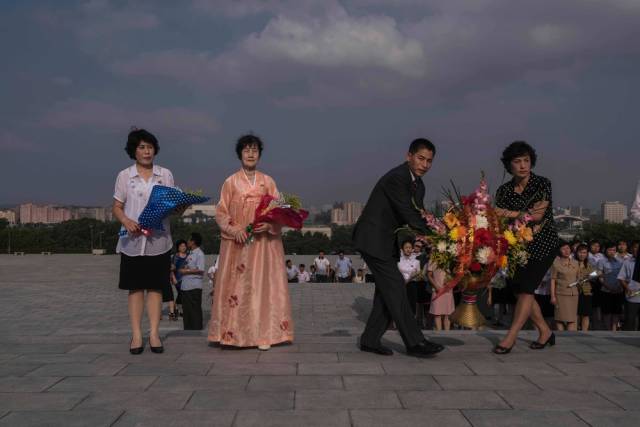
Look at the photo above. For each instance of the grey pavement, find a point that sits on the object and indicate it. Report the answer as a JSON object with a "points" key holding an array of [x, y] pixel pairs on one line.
{"points": [[64, 361]]}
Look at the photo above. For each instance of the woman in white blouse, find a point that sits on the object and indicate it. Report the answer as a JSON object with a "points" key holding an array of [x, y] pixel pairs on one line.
{"points": [[145, 261]]}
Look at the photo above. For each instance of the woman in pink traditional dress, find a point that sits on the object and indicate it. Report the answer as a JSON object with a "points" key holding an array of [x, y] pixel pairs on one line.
{"points": [[251, 304]]}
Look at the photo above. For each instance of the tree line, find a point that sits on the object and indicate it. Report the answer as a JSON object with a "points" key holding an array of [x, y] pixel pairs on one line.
{"points": [[80, 236]]}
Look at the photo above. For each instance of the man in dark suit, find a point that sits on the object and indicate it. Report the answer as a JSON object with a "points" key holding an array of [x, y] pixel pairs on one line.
{"points": [[395, 201]]}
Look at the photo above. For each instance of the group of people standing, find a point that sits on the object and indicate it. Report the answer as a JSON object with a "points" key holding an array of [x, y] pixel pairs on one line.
{"points": [[251, 305]]}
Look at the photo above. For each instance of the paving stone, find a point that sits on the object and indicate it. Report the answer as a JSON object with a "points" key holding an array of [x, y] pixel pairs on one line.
{"points": [[556, 400], [295, 418], [166, 369], [593, 369], [219, 357], [578, 383], [8, 356], [195, 383], [118, 383], [404, 417], [514, 368], [429, 367], [78, 369], [390, 382], [241, 400], [40, 401], [26, 384], [166, 400], [340, 369], [547, 357], [350, 347], [629, 401], [36, 348], [452, 400], [154, 418], [484, 382], [634, 381], [519, 418], [610, 418], [56, 358], [79, 418], [321, 399], [268, 357], [295, 382], [226, 368], [10, 368]]}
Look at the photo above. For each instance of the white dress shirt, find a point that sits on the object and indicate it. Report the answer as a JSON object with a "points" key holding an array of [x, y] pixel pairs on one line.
{"points": [[134, 192], [304, 277], [409, 267]]}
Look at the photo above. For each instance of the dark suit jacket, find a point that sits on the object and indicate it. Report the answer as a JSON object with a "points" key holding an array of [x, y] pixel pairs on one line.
{"points": [[389, 208]]}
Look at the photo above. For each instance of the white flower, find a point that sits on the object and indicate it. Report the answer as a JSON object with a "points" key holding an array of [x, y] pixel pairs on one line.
{"points": [[481, 221], [484, 254], [442, 246], [452, 249]]}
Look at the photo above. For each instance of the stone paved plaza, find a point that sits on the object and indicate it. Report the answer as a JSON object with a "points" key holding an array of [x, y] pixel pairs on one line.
{"points": [[64, 361]]}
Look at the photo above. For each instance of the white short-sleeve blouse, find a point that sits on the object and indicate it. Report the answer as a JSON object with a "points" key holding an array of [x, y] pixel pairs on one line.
{"points": [[134, 192]]}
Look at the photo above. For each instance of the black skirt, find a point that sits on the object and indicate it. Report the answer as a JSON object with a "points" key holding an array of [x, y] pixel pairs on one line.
{"points": [[544, 301], [145, 272], [585, 305], [527, 278]]}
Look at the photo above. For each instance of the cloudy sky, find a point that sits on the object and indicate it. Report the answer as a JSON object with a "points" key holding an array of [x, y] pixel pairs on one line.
{"points": [[336, 89]]}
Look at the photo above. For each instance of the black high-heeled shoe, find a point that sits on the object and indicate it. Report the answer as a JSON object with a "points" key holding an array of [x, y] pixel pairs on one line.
{"points": [[136, 350], [498, 349], [539, 346], [156, 350]]}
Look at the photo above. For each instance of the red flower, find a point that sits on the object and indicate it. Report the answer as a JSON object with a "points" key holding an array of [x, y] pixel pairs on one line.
{"points": [[483, 237], [475, 267], [284, 325], [233, 301], [227, 335]]}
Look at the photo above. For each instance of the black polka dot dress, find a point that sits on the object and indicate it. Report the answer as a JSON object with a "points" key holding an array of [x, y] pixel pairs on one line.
{"points": [[543, 249]]}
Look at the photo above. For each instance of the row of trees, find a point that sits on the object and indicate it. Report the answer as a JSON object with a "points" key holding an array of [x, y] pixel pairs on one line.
{"points": [[80, 236]]}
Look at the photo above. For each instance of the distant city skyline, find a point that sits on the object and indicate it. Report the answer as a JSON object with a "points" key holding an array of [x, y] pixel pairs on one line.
{"points": [[337, 89]]}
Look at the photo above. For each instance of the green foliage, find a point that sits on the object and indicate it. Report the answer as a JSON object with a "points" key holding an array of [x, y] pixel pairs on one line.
{"points": [[75, 237], [607, 232]]}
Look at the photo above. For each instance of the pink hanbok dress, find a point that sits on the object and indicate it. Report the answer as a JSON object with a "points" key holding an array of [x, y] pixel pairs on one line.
{"points": [[251, 305]]}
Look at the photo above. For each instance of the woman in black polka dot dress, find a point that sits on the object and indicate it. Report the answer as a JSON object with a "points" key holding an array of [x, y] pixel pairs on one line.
{"points": [[528, 193]]}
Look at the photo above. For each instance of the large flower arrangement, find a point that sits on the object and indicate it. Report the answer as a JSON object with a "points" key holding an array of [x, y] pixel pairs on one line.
{"points": [[472, 244], [285, 210]]}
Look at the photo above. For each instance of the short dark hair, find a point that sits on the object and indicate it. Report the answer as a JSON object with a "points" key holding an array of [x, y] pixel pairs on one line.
{"points": [[622, 241], [405, 241], [421, 143], [196, 238], [321, 250], [302, 266], [247, 141], [563, 243], [135, 137], [518, 149], [287, 261], [583, 247], [610, 245], [180, 242]]}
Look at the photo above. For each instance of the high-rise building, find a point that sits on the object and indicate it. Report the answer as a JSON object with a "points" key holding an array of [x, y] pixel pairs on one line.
{"points": [[35, 214], [9, 215], [346, 213], [614, 212]]}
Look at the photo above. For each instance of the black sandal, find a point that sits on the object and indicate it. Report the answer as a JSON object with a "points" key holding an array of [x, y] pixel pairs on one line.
{"points": [[498, 349], [539, 345]]}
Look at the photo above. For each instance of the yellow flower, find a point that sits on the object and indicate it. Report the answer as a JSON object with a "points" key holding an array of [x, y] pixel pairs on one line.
{"points": [[453, 234], [451, 220], [510, 237], [525, 234]]}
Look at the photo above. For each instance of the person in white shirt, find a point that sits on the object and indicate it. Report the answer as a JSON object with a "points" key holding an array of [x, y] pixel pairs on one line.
{"points": [[211, 275], [629, 277], [323, 266], [343, 268], [145, 261], [292, 272], [409, 267], [303, 275], [623, 251], [359, 277]]}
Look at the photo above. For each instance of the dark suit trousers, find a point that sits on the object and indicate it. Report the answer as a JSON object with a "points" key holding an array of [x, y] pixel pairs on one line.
{"points": [[192, 309], [389, 303]]}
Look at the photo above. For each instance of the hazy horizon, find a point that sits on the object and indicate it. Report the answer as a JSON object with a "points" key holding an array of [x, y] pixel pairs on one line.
{"points": [[336, 89]]}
